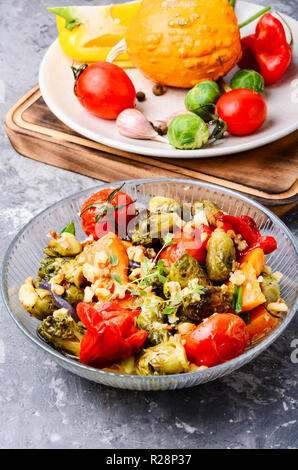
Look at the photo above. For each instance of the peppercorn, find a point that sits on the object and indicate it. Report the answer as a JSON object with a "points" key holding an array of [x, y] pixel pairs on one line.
{"points": [[158, 90], [141, 96]]}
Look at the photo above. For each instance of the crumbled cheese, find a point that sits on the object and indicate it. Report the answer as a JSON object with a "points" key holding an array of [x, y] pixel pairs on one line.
{"points": [[174, 289], [90, 272], [119, 290], [150, 253]]}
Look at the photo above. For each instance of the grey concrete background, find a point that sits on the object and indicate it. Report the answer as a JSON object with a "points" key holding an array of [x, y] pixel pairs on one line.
{"points": [[42, 405]]}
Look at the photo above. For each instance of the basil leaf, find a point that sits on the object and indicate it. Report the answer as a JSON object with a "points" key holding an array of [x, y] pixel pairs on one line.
{"points": [[70, 228]]}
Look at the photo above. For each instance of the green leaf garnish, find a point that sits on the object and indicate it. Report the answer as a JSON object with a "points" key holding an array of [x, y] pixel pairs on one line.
{"points": [[117, 278], [113, 259], [70, 228], [169, 310]]}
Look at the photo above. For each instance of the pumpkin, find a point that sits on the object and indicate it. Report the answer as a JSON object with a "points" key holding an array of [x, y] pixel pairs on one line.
{"points": [[182, 42]]}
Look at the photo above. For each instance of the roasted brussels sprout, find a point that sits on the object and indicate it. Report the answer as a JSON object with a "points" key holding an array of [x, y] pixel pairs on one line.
{"points": [[270, 288], [213, 300], [65, 244], [167, 205], [73, 295], [149, 228], [220, 256], [188, 132], [163, 204], [62, 331], [151, 320], [164, 359], [69, 267], [200, 96], [38, 302], [248, 79], [207, 206], [185, 269]]}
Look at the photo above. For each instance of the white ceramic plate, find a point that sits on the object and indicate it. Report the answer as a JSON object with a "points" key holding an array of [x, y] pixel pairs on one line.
{"points": [[56, 84]]}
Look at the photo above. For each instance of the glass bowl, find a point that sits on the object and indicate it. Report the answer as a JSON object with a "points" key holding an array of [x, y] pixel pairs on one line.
{"points": [[24, 253]]}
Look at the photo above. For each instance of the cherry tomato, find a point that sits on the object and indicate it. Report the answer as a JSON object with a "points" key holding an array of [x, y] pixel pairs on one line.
{"points": [[217, 339], [109, 210], [243, 110], [104, 89], [195, 244]]}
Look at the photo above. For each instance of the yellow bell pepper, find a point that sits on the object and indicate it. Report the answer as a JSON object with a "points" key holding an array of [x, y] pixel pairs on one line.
{"points": [[88, 33]]}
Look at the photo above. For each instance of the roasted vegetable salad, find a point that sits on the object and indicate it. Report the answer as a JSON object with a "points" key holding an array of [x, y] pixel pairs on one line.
{"points": [[167, 289]]}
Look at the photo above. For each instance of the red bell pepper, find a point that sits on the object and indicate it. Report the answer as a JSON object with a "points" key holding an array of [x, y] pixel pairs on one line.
{"points": [[111, 334], [267, 244], [242, 226], [267, 51], [195, 244]]}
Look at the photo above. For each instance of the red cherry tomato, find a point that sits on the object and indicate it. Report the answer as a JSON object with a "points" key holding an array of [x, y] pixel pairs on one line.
{"points": [[194, 244], [243, 110], [109, 210], [217, 339], [105, 90]]}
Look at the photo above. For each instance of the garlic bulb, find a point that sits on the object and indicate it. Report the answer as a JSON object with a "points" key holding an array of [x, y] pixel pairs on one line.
{"points": [[133, 124]]}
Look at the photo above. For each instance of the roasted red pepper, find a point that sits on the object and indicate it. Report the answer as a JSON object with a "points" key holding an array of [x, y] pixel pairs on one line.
{"points": [[195, 244], [267, 51], [267, 244], [111, 334], [242, 226]]}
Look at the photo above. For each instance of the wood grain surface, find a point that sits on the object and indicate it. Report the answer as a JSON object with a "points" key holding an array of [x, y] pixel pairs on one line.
{"points": [[268, 174]]}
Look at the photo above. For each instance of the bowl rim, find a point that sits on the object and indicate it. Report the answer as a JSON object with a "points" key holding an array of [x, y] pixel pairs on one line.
{"points": [[177, 377]]}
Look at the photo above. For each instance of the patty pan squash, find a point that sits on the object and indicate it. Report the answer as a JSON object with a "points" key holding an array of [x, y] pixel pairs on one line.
{"points": [[182, 42]]}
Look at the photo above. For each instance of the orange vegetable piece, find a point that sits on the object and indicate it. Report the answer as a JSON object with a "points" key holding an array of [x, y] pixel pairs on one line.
{"points": [[252, 266], [109, 244], [260, 322], [182, 43]]}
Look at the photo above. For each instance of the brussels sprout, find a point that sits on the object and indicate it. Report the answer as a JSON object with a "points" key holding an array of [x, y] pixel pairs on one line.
{"points": [[65, 244], [73, 272], [38, 302], [151, 320], [206, 206], [62, 332], [163, 204], [220, 256], [188, 132], [150, 228], [73, 295], [270, 288], [51, 266], [248, 79], [213, 300], [185, 269], [163, 359], [202, 94], [167, 205]]}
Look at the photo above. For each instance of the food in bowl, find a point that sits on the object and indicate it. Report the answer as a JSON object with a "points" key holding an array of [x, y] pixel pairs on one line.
{"points": [[166, 289]]}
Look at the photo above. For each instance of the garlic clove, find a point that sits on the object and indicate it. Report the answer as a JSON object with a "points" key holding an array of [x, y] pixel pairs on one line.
{"points": [[118, 49], [133, 124]]}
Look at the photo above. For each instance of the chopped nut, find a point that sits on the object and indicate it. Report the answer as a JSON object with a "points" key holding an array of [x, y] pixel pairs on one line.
{"points": [[100, 292], [231, 234], [88, 294], [150, 253], [136, 273], [59, 290], [100, 257], [237, 278], [54, 235], [58, 279], [136, 253], [213, 217], [242, 245], [185, 328], [87, 241]]}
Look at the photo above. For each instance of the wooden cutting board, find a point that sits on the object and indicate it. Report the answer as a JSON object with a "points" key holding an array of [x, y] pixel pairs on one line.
{"points": [[268, 174]]}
